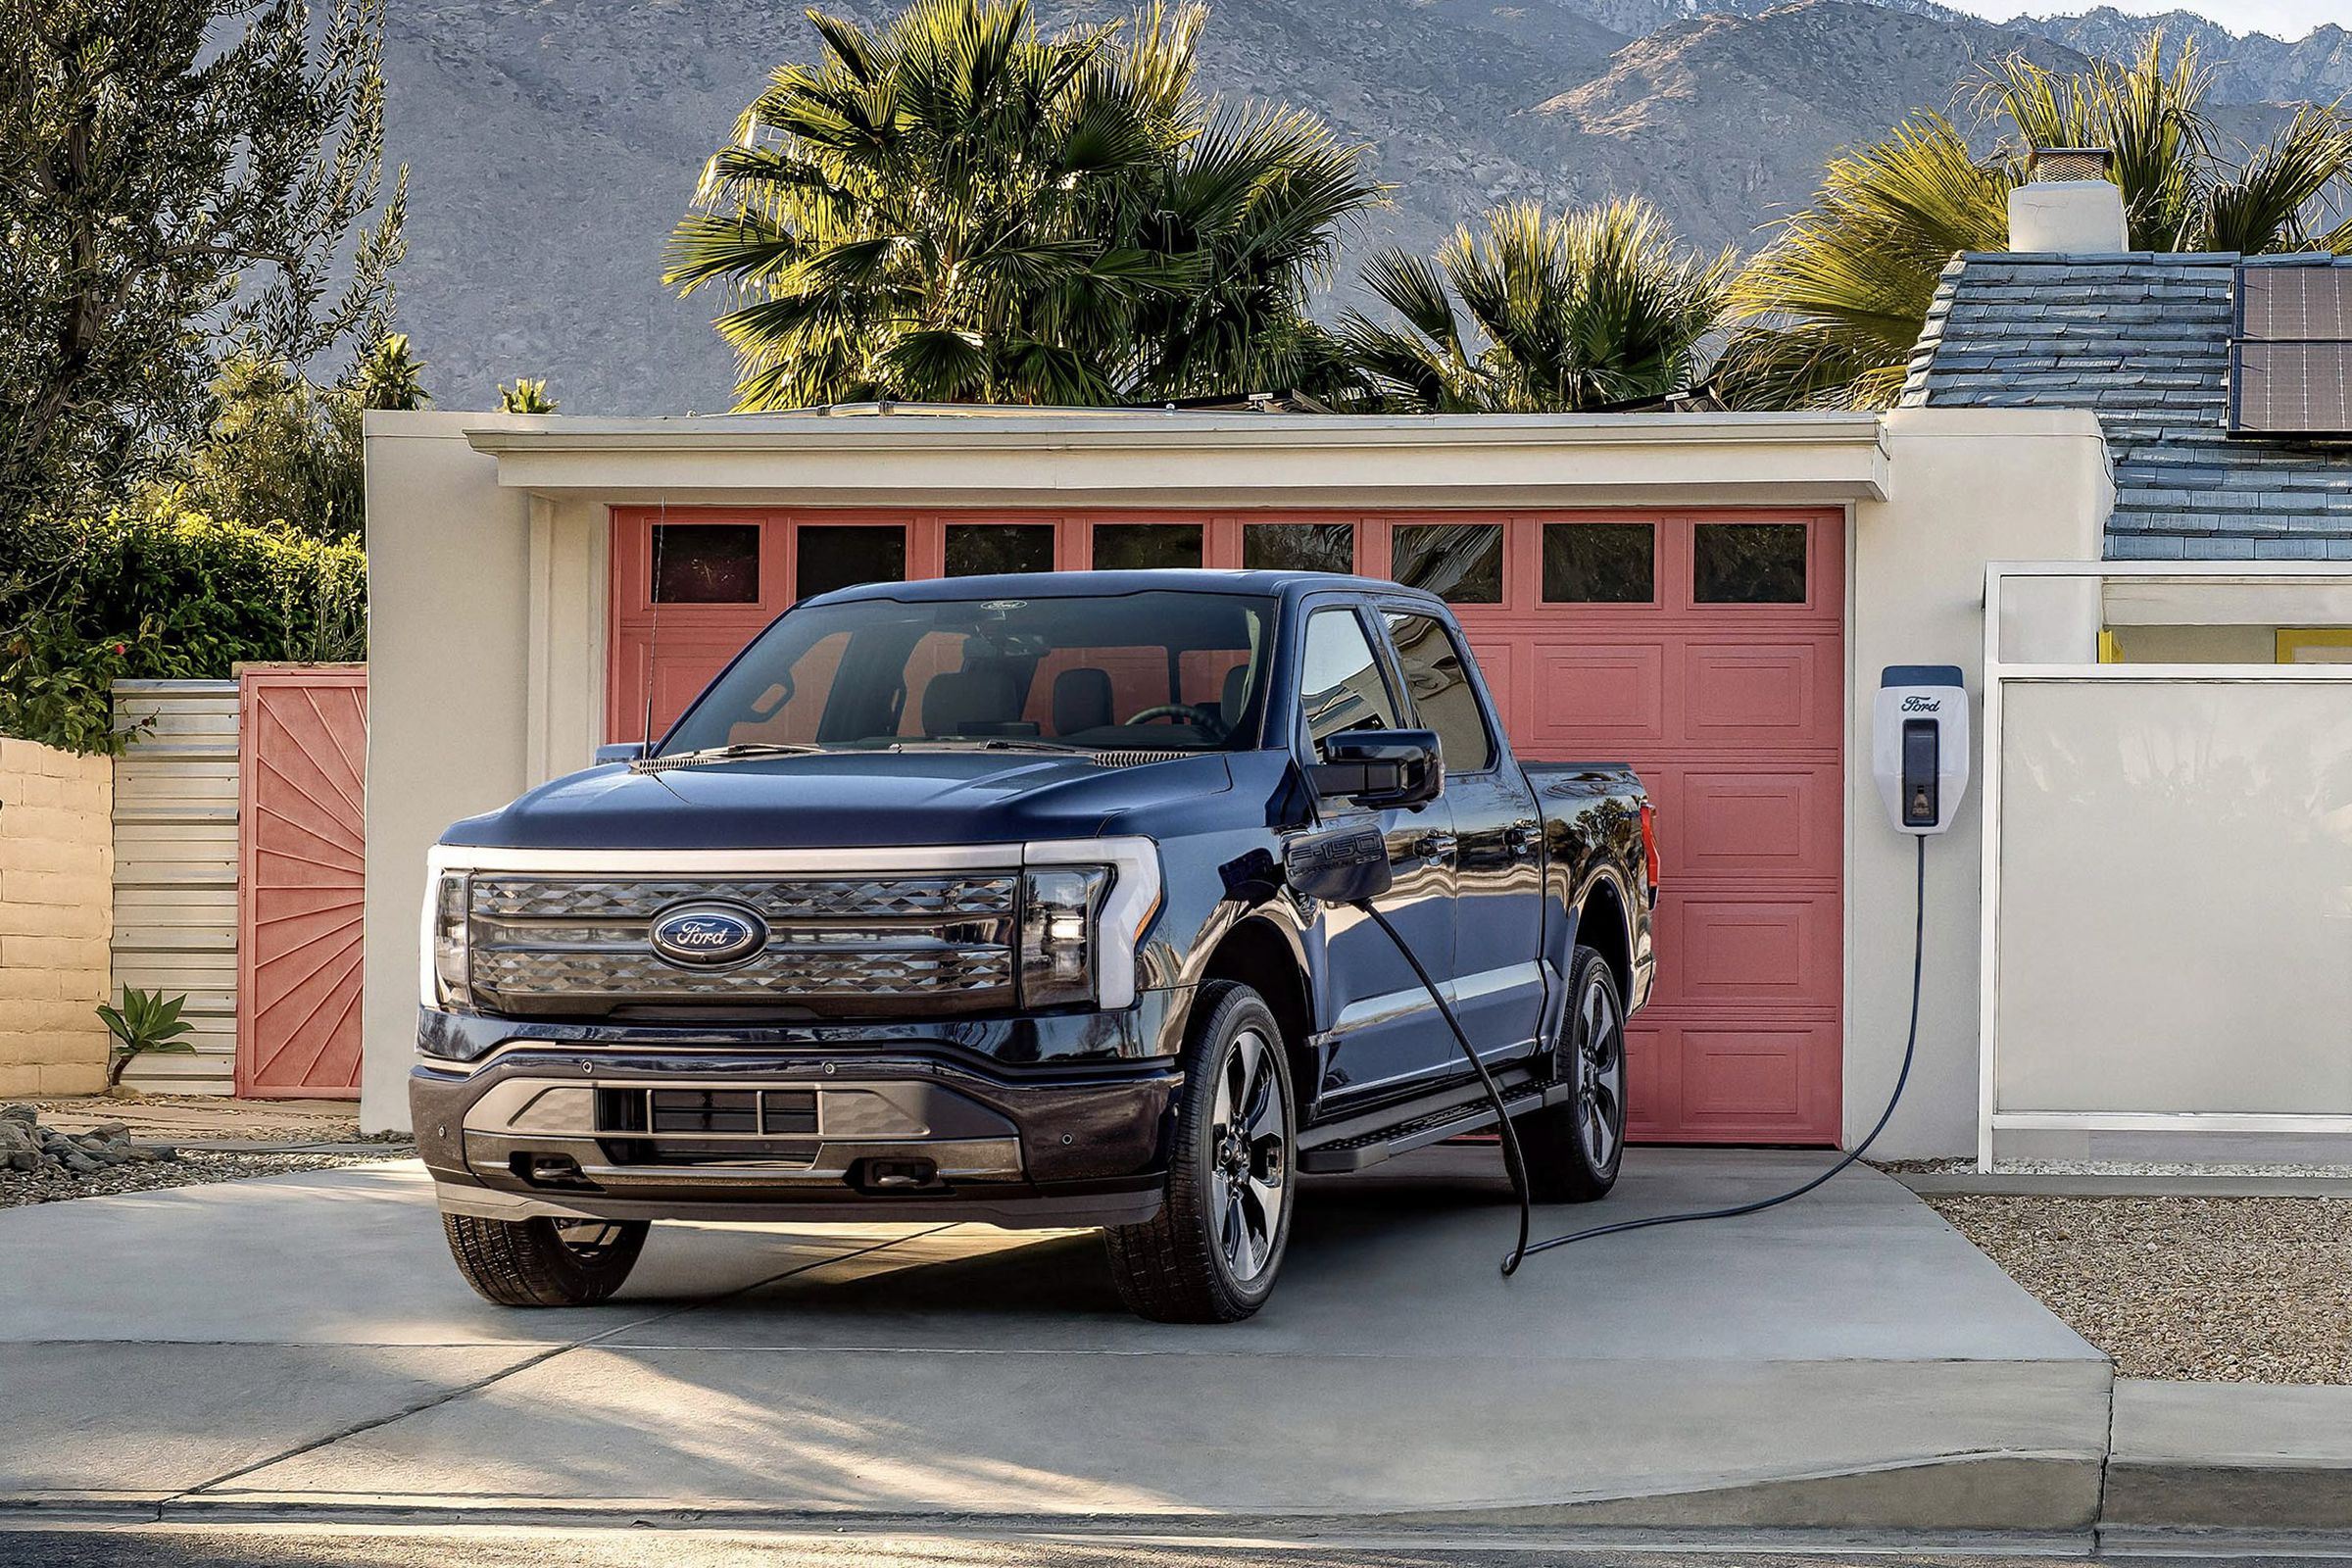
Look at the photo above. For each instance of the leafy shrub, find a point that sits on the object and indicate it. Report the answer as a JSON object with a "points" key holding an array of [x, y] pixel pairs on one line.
{"points": [[145, 1023], [159, 596]]}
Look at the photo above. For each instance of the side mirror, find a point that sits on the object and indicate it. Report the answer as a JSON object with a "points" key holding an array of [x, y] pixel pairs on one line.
{"points": [[621, 752], [1339, 865], [1380, 768]]}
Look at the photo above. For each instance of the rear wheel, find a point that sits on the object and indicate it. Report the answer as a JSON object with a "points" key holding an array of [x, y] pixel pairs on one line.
{"points": [[1574, 1148], [542, 1262], [1210, 1253]]}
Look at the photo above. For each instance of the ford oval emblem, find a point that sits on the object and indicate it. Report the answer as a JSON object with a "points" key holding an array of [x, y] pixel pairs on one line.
{"points": [[708, 936]]}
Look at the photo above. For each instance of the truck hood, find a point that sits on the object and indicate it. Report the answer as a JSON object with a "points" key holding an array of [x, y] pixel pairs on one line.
{"points": [[846, 800]]}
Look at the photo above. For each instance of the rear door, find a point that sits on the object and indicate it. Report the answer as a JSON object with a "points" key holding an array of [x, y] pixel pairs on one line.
{"points": [[1385, 1033], [1498, 988]]}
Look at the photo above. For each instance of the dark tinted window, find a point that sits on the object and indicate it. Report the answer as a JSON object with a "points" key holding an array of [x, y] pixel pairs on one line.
{"points": [[705, 564], [1444, 700], [1298, 547], [1460, 563], [835, 557], [1599, 563], [1749, 563], [1137, 546], [1340, 685], [979, 548]]}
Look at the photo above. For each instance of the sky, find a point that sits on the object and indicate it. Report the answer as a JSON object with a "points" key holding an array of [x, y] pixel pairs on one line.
{"points": [[2281, 18]]}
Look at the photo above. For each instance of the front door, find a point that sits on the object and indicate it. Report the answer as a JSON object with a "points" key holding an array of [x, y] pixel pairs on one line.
{"points": [[1386, 1034]]}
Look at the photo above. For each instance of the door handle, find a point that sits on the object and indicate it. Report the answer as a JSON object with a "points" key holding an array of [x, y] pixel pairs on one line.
{"points": [[1522, 837], [1434, 847]]}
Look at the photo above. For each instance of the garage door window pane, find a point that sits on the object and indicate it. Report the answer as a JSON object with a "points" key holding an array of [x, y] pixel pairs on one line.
{"points": [[833, 558], [977, 549], [1442, 693], [1749, 563], [1599, 563], [705, 564], [1298, 547], [1461, 563], [1139, 545]]}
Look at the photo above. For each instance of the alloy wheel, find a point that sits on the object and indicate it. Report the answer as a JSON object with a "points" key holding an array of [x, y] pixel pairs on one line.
{"points": [[1600, 1072], [1249, 1183]]}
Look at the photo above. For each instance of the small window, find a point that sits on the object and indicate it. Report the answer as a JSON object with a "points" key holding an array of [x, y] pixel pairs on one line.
{"points": [[982, 549], [1340, 686], [1139, 545], [1749, 563], [1443, 699], [1599, 563], [835, 557], [1460, 563], [705, 564], [1298, 547]]}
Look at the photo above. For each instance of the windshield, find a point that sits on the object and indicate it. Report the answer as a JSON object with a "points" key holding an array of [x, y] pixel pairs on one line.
{"points": [[1149, 671]]}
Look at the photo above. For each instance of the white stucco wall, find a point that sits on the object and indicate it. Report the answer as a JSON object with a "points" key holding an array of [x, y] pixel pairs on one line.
{"points": [[490, 605], [448, 685], [1968, 486]]}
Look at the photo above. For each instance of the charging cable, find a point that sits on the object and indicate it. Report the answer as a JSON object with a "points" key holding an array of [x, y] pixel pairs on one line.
{"points": [[1516, 1164]]}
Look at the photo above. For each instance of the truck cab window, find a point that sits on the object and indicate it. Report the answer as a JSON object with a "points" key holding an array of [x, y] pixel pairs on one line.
{"points": [[1340, 687], [1435, 676]]}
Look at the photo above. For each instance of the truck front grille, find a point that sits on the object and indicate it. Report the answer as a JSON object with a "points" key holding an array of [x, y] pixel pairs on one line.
{"points": [[837, 946]]}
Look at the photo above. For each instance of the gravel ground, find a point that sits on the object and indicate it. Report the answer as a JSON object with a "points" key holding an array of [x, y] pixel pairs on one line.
{"points": [[2246, 1290], [2112, 1167], [193, 1169]]}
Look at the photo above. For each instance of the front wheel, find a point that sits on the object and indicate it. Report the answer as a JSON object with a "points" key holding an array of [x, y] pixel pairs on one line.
{"points": [[543, 1261], [1210, 1253], [1574, 1148]]}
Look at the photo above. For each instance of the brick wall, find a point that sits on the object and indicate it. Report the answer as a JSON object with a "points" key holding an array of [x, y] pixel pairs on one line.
{"points": [[57, 862]]}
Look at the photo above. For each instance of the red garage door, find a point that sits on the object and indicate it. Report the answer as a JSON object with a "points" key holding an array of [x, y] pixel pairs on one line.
{"points": [[1703, 647]]}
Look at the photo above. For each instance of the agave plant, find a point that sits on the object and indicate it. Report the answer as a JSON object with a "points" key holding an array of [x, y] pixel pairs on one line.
{"points": [[145, 1024], [1570, 312], [1831, 308], [957, 208]]}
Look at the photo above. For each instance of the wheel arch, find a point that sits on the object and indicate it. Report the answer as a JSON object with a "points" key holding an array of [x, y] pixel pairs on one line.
{"points": [[1604, 922], [1261, 954]]}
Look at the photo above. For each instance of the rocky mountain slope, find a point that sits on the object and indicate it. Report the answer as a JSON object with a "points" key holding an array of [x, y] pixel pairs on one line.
{"points": [[551, 145]]}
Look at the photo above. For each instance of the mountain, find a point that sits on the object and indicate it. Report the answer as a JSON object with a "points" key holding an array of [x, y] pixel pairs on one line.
{"points": [[552, 143], [2255, 69]]}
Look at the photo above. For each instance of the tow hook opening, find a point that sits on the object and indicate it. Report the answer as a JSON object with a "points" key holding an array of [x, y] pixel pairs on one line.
{"points": [[896, 1175], [560, 1171]]}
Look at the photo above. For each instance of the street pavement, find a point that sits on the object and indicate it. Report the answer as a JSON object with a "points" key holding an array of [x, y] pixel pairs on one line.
{"points": [[302, 1345]]}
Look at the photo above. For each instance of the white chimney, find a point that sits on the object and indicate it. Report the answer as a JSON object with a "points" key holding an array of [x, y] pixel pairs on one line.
{"points": [[2068, 205]]}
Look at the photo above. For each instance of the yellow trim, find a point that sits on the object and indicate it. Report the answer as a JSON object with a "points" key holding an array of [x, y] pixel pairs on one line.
{"points": [[2292, 640], [2108, 653]]}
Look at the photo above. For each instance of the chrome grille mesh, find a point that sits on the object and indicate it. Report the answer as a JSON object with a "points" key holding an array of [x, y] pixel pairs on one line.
{"points": [[578, 946]]}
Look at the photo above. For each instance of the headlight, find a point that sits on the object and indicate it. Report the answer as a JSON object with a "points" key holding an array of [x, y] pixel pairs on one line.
{"points": [[1058, 905], [451, 907]]}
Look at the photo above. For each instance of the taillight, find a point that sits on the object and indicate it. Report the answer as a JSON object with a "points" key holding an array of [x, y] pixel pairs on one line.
{"points": [[1649, 845]]}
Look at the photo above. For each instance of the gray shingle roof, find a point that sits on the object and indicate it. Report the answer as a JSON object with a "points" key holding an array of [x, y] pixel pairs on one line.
{"points": [[2144, 339]]}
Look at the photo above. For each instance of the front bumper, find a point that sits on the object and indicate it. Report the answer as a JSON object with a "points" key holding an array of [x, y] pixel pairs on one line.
{"points": [[544, 1128]]}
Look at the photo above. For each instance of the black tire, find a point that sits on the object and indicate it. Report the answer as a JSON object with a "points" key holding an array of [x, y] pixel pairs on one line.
{"points": [[1211, 1252], [542, 1262], [1574, 1148]]}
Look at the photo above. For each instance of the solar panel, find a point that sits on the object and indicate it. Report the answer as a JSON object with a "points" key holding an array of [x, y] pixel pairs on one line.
{"points": [[2291, 388], [2290, 359]]}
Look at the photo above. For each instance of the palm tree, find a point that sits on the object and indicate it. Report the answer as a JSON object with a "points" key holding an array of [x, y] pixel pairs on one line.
{"points": [[954, 208], [1573, 312], [1832, 308]]}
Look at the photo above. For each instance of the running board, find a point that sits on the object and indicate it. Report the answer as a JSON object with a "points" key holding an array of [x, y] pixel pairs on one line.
{"points": [[1371, 1148]]}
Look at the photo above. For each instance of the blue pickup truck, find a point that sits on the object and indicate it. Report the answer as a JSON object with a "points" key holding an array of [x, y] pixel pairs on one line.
{"points": [[963, 900]]}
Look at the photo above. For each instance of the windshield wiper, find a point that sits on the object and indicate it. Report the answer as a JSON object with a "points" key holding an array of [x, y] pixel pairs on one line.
{"points": [[722, 754], [989, 743]]}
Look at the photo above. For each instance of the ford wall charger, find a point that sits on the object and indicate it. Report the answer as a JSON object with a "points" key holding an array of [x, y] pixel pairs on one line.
{"points": [[1919, 745]]}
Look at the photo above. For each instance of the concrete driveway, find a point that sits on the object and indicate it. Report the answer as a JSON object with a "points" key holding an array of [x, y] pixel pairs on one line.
{"points": [[303, 1344]]}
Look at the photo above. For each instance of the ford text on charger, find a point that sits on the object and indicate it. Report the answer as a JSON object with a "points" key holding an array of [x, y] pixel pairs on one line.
{"points": [[963, 900]]}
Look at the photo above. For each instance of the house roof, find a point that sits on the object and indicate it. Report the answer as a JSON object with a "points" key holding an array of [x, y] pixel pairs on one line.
{"points": [[2143, 340]]}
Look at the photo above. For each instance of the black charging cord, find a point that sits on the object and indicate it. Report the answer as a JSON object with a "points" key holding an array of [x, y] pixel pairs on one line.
{"points": [[1511, 1157], [1516, 1162]]}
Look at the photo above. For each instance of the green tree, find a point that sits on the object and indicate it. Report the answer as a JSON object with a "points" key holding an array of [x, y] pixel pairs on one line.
{"points": [[278, 448], [180, 182], [1833, 307], [1569, 312], [956, 208]]}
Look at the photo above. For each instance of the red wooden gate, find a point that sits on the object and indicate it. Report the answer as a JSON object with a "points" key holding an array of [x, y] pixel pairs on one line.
{"points": [[303, 745], [1704, 647]]}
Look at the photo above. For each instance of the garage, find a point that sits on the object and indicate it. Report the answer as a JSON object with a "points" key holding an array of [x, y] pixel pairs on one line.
{"points": [[1704, 646]]}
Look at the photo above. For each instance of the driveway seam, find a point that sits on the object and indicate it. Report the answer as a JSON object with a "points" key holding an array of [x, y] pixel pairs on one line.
{"points": [[431, 1402]]}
